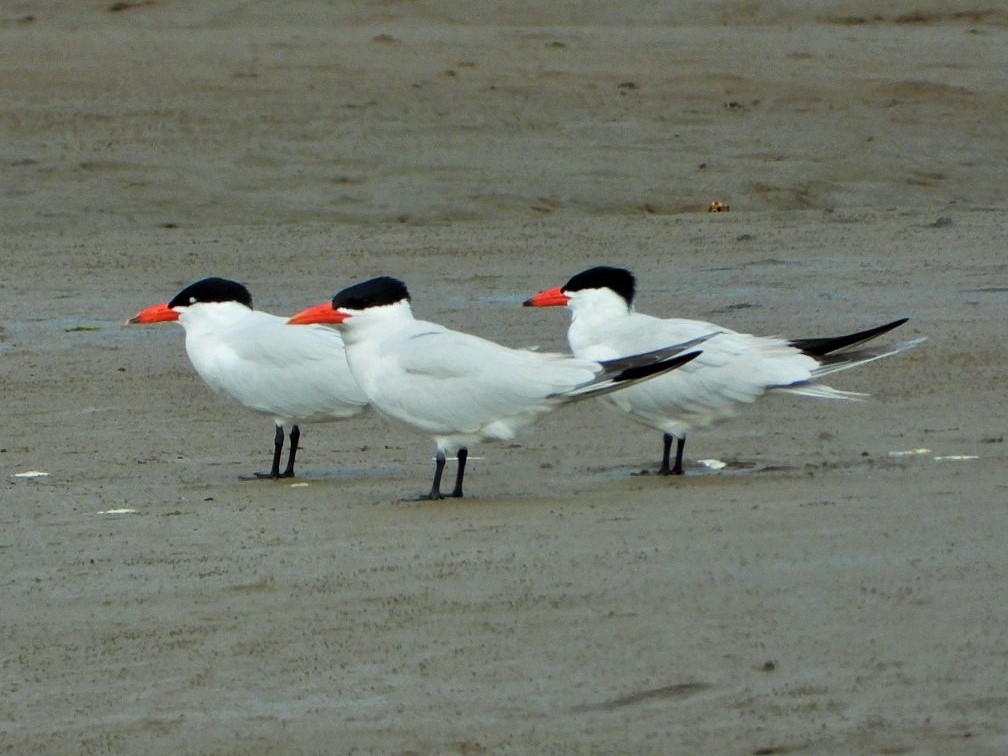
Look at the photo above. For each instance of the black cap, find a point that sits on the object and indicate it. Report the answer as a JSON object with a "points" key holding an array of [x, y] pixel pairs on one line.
{"points": [[619, 280], [377, 292], [212, 290]]}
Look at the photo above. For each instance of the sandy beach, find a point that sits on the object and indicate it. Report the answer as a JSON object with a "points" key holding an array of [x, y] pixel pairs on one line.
{"points": [[838, 587]]}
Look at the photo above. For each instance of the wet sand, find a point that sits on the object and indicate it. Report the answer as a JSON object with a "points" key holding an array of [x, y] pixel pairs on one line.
{"points": [[828, 591]]}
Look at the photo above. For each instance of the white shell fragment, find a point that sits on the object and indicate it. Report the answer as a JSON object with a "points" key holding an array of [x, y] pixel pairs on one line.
{"points": [[31, 474], [116, 511], [713, 464], [938, 458]]}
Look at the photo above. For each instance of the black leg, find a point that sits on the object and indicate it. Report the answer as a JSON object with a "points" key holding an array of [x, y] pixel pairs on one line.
{"points": [[463, 455], [666, 452], [278, 440], [295, 436], [439, 463], [675, 469]]}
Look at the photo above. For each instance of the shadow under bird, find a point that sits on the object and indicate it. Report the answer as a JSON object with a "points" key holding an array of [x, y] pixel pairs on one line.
{"points": [[734, 370], [462, 388], [294, 376]]}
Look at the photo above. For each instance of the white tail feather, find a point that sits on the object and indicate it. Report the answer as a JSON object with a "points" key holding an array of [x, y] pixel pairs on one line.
{"points": [[823, 392], [848, 360], [845, 362]]}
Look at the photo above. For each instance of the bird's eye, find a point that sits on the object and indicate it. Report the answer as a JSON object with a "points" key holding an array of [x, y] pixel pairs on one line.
{"points": [[192, 300]]}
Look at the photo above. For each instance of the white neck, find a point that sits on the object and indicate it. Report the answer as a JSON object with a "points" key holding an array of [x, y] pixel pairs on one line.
{"points": [[375, 323], [592, 311], [212, 316]]}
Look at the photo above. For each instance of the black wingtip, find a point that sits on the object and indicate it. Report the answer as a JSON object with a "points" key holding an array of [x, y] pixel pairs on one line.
{"points": [[644, 371], [825, 345]]}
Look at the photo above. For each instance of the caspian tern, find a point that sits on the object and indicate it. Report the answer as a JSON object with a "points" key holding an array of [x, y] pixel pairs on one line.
{"points": [[293, 375], [458, 387], [734, 369]]}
